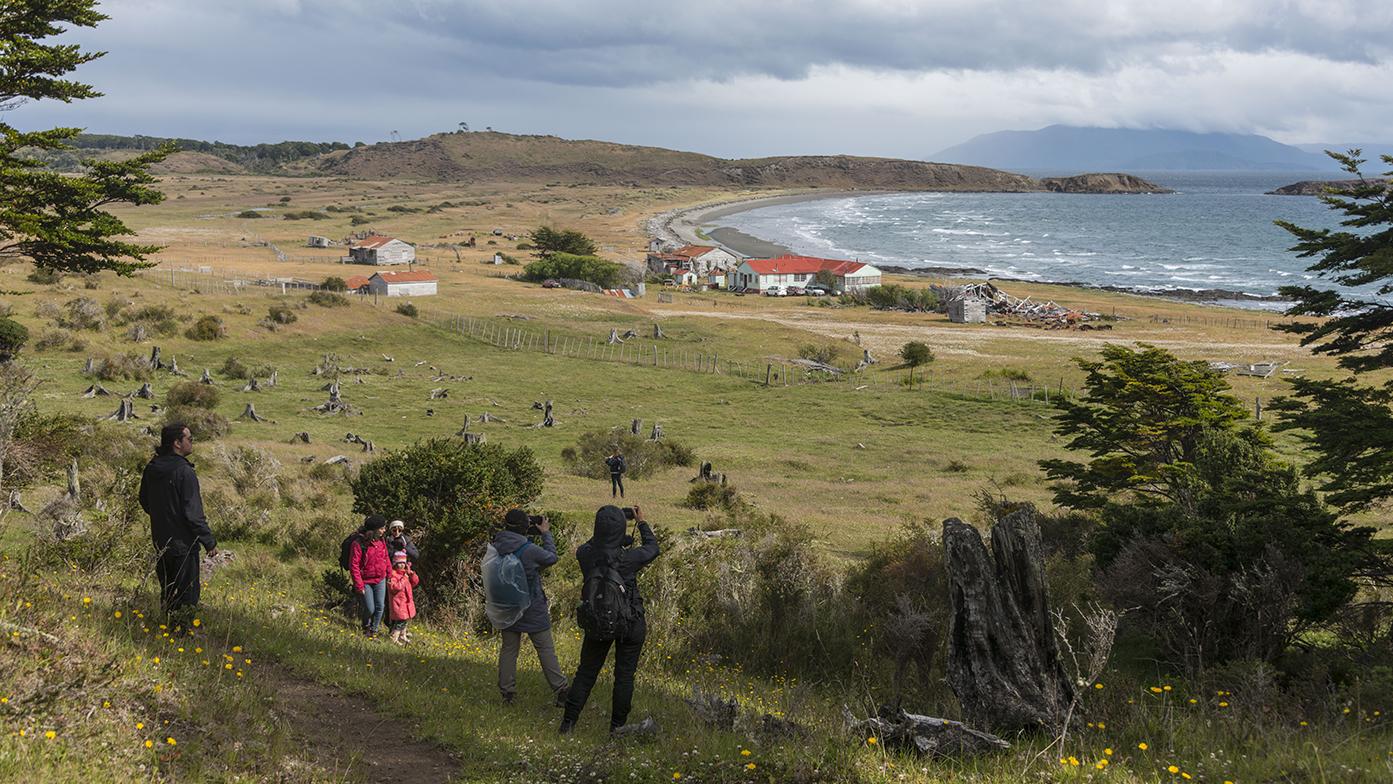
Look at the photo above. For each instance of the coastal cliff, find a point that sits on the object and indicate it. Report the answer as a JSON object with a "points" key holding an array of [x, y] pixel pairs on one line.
{"points": [[1318, 187], [1101, 183]]}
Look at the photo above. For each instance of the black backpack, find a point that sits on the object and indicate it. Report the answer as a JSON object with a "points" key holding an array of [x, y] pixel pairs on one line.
{"points": [[346, 549], [605, 610]]}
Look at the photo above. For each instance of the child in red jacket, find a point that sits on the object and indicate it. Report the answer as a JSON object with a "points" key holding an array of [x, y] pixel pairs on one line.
{"points": [[400, 599]]}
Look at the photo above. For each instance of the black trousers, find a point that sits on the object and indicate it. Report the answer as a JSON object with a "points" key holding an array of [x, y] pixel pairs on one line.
{"points": [[592, 659], [616, 485], [179, 578]]}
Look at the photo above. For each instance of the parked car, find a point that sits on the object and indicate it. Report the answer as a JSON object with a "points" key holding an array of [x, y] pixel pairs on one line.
{"points": [[774, 291], [795, 291], [814, 291]]}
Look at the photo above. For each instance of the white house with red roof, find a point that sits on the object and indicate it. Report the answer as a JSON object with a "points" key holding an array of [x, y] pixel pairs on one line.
{"points": [[784, 271], [407, 283], [695, 259], [381, 249]]}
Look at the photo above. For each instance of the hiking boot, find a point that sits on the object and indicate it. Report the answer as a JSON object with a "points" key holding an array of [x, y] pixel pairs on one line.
{"points": [[567, 727], [508, 698], [560, 696]]}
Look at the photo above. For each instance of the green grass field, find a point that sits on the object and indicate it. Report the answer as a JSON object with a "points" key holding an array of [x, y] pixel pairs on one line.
{"points": [[852, 459]]}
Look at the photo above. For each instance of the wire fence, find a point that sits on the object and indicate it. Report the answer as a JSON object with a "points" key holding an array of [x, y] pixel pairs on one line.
{"points": [[657, 353]]}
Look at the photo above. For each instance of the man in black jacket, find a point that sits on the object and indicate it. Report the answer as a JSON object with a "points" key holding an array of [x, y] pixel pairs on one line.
{"points": [[169, 494], [617, 467], [607, 545]]}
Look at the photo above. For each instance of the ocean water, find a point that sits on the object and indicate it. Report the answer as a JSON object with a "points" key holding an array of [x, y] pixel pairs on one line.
{"points": [[1215, 232]]}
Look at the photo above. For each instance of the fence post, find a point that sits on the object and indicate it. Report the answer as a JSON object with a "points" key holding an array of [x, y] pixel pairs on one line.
{"points": [[655, 355], [768, 370]]}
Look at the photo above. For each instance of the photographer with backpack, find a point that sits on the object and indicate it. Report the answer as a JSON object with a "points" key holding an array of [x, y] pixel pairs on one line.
{"points": [[611, 610], [516, 604]]}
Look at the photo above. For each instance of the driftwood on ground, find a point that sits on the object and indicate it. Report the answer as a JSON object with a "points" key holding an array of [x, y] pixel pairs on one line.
{"points": [[925, 735], [1003, 661]]}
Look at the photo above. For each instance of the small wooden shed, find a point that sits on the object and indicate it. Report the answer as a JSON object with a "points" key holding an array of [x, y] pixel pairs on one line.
{"points": [[967, 310]]}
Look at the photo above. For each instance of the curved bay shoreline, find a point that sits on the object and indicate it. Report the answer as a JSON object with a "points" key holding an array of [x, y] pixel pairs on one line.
{"points": [[684, 226]]}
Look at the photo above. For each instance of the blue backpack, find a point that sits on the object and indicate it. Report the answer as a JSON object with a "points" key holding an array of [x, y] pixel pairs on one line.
{"points": [[507, 594]]}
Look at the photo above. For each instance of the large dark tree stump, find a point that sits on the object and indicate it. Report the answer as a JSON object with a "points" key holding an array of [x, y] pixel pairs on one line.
{"points": [[1003, 662]]}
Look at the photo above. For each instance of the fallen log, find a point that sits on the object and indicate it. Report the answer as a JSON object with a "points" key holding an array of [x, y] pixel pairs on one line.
{"points": [[926, 735]]}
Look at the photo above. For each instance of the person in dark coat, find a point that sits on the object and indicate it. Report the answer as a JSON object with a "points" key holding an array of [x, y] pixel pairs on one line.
{"points": [[617, 467], [536, 619], [169, 493], [607, 544], [398, 541]]}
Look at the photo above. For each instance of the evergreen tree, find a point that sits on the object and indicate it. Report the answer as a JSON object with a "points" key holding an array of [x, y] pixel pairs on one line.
{"points": [[1348, 425], [57, 221]]}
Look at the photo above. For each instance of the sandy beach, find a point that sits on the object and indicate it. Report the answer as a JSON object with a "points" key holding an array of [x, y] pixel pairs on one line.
{"points": [[682, 225]]}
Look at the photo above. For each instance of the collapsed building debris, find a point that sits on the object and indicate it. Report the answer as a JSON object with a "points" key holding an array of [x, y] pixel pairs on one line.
{"points": [[997, 301]]}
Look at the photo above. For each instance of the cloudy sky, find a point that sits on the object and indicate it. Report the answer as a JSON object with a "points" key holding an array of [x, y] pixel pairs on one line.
{"points": [[735, 77]]}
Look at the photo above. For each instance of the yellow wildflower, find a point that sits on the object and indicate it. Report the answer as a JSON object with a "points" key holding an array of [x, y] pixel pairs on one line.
{"points": [[750, 766], [50, 734], [117, 614], [1172, 769], [1143, 746], [871, 741], [744, 752], [149, 744], [171, 741], [1108, 752]]}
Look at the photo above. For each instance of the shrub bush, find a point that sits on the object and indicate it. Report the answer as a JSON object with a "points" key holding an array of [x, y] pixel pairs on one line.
{"points": [[304, 215], [407, 309], [592, 269], [191, 394], [157, 319], [206, 328], [250, 214], [328, 299], [44, 275], [13, 336], [892, 296], [53, 338], [453, 495], [712, 495], [643, 457], [281, 313], [203, 423], [358, 220], [82, 313], [122, 367], [334, 283], [827, 353]]}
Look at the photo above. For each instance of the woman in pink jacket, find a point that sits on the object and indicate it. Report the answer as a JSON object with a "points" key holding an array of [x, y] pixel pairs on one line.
{"points": [[369, 565], [401, 598]]}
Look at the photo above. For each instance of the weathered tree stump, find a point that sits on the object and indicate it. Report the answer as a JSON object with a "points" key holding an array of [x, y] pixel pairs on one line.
{"points": [[173, 367], [1003, 662], [337, 460], [657, 434], [252, 385], [96, 390], [250, 413], [123, 413], [155, 363], [302, 437], [89, 367], [486, 418], [145, 392], [206, 378], [628, 334], [17, 503], [547, 419], [473, 438], [703, 473], [614, 338], [658, 331], [635, 426], [439, 393], [273, 378]]}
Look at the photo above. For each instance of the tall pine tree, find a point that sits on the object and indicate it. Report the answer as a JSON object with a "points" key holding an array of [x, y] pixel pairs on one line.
{"points": [[59, 221]]}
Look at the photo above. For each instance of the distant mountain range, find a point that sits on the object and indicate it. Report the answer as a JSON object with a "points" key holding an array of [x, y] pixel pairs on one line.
{"points": [[1068, 148]]}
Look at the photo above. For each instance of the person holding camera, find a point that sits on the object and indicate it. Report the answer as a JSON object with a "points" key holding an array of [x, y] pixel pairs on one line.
{"points": [[616, 465], [535, 622], [611, 610]]}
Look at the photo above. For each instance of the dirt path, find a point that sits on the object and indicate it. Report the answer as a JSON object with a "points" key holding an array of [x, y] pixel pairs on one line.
{"points": [[333, 726]]}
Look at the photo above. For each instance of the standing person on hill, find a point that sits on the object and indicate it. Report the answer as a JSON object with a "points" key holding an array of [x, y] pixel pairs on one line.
{"points": [[617, 467], [535, 622], [369, 564], [169, 493], [401, 595], [605, 557]]}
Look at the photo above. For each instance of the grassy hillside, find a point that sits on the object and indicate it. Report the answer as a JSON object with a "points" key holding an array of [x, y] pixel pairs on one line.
{"points": [[244, 696]]}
